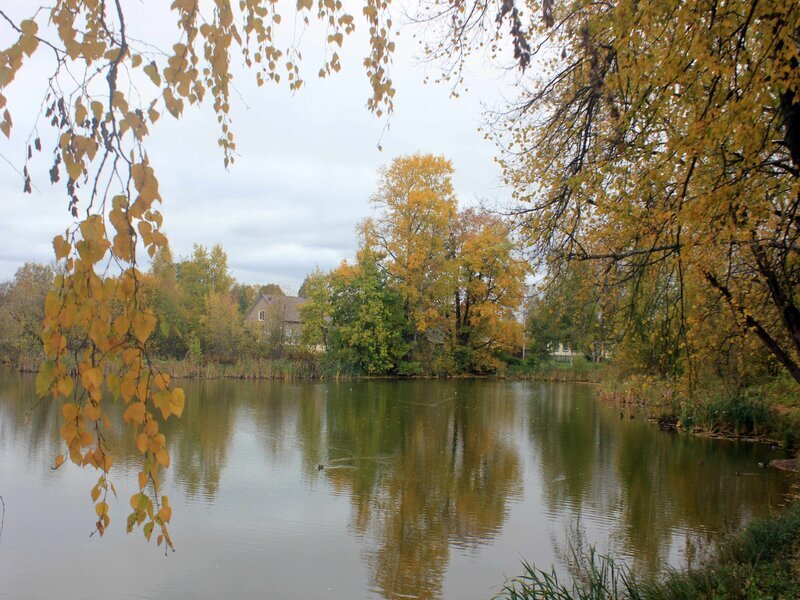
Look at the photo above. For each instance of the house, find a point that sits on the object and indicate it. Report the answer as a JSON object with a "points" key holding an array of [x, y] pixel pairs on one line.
{"points": [[277, 316], [562, 352], [597, 352]]}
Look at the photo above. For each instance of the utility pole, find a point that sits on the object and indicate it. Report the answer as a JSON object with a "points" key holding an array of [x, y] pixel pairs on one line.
{"points": [[525, 299]]}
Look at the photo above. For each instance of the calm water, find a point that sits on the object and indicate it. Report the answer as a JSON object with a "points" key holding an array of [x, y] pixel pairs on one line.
{"points": [[429, 489]]}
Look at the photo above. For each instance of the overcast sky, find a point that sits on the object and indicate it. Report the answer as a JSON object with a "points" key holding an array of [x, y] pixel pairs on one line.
{"points": [[306, 168]]}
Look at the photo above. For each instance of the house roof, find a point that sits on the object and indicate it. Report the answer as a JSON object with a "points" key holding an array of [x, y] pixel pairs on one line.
{"points": [[290, 304]]}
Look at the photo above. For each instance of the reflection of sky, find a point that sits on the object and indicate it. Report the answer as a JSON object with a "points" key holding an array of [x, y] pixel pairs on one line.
{"points": [[275, 526]]}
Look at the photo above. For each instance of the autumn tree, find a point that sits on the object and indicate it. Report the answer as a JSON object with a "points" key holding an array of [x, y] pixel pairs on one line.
{"points": [[490, 279], [164, 295], [459, 273], [202, 274], [180, 296], [21, 313], [659, 137], [416, 208], [223, 331]]}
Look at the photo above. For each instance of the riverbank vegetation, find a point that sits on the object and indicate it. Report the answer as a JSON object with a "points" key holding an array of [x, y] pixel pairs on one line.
{"points": [[762, 561]]}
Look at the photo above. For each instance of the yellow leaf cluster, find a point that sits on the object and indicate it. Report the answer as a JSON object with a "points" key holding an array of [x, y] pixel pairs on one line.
{"points": [[100, 129]]}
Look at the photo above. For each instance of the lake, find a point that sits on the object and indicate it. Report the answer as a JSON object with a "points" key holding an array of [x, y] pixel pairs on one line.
{"points": [[370, 489]]}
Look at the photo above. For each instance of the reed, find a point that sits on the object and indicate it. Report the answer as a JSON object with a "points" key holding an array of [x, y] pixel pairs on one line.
{"points": [[762, 561]]}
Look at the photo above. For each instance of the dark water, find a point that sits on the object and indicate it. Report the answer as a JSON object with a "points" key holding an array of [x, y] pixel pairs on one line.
{"points": [[429, 489]]}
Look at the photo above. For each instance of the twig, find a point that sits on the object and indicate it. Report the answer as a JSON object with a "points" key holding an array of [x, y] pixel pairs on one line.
{"points": [[2, 517]]}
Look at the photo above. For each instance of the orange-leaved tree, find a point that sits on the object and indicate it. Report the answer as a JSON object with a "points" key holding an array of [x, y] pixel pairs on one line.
{"points": [[661, 139]]}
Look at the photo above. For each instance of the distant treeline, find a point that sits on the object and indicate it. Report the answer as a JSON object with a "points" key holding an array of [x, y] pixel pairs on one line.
{"points": [[433, 290]]}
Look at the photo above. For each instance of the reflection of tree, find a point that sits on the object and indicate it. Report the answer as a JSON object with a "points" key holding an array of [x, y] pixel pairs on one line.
{"points": [[568, 444], [37, 421], [653, 486], [199, 440], [311, 426], [426, 466], [674, 484], [18, 401]]}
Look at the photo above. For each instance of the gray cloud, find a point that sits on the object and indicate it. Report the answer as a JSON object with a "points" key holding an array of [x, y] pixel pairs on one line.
{"points": [[306, 168]]}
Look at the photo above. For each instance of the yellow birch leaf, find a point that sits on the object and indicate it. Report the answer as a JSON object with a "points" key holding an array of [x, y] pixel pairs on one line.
{"points": [[142, 442], [162, 380], [165, 514], [61, 247], [65, 386], [121, 325], [127, 388], [44, 380], [74, 168], [97, 109], [70, 411], [151, 70], [143, 325], [162, 456], [92, 412], [134, 412], [29, 27], [177, 400]]}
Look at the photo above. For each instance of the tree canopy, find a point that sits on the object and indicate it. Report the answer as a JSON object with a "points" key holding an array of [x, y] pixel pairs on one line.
{"points": [[434, 287], [662, 139]]}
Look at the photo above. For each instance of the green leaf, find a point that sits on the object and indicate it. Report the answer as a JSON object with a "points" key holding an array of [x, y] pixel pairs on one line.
{"points": [[44, 380]]}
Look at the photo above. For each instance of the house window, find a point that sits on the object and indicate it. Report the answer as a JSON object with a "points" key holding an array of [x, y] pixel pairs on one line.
{"points": [[262, 314]]}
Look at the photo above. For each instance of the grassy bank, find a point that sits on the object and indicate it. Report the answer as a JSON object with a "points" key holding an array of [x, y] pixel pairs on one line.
{"points": [[248, 368], [767, 410], [579, 370], [310, 366], [762, 561]]}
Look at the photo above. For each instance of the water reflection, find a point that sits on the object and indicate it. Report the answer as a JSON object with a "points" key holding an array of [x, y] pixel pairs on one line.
{"points": [[427, 466], [444, 483], [666, 496]]}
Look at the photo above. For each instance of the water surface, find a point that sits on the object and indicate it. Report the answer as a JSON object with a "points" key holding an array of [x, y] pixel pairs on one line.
{"points": [[428, 489]]}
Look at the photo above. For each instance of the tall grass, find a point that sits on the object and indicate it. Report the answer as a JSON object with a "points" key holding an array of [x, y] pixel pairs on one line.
{"points": [[579, 370], [762, 561], [768, 410], [598, 577], [737, 413], [246, 368]]}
